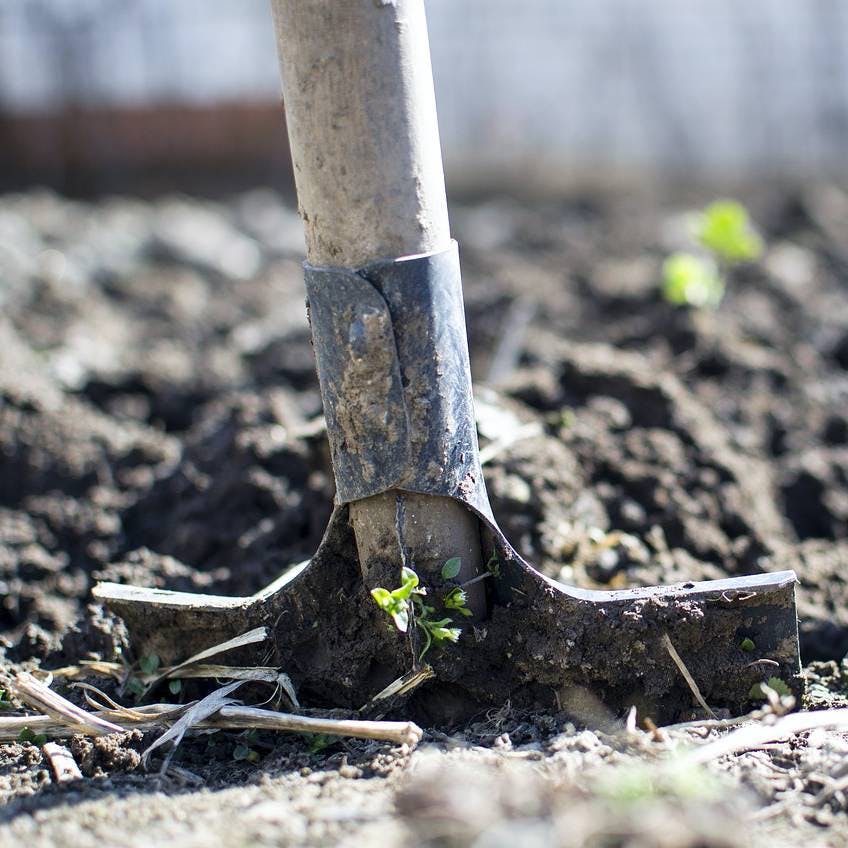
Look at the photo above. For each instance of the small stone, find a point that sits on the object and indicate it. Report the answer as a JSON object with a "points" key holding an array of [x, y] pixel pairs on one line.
{"points": [[608, 560], [517, 490], [503, 742]]}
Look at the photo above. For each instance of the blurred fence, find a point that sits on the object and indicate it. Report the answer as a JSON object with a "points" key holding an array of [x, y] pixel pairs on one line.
{"points": [[556, 89]]}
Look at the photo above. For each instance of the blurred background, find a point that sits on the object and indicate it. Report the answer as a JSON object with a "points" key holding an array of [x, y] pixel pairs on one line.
{"points": [[105, 95]]}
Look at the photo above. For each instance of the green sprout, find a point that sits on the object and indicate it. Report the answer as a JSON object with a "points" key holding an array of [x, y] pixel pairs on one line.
{"points": [[407, 602], [243, 752], [774, 683], [175, 686], [451, 568], [318, 742], [27, 735], [457, 599], [493, 566], [725, 229], [397, 602], [724, 232], [690, 280], [149, 664], [747, 645], [135, 688], [434, 631]]}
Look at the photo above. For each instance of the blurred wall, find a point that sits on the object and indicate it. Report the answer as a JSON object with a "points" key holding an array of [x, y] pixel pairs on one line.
{"points": [[545, 90]]}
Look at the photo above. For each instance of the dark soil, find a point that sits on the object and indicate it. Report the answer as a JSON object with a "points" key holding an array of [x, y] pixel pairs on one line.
{"points": [[160, 425]]}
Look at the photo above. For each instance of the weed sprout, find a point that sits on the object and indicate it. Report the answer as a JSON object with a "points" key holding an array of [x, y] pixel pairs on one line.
{"points": [[726, 236], [407, 603]]}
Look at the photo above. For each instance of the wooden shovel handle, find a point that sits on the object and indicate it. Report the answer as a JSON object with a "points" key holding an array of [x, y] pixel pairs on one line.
{"points": [[361, 114]]}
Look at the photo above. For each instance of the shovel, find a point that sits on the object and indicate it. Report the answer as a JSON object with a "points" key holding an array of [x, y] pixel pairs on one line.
{"points": [[386, 311]]}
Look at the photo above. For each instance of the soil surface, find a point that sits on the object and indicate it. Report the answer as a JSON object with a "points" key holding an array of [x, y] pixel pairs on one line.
{"points": [[160, 424]]}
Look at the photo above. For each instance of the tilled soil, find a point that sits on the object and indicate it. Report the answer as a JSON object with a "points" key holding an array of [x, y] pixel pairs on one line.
{"points": [[160, 425]]}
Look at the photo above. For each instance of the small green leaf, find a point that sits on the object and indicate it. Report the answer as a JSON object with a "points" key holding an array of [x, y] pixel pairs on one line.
{"points": [[724, 227], [400, 595], [408, 577], [175, 686], [318, 742], [451, 568], [747, 645], [242, 752], [383, 598], [394, 604], [27, 735], [401, 618], [149, 664], [408, 584], [690, 280], [456, 599], [779, 686], [775, 683], [446, 634], [493, 566], [135, 687]]}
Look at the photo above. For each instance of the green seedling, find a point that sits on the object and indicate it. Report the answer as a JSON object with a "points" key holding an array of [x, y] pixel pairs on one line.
{"points": [[493, 566], [690, 280], [5, 701], [457, 599], [724, 228], [135, 688], [434, 631], [724, 232], [175, 686], [397, 602], [777, 685], [451, 568], [318, 742], [27, 735], [149, 664], [243, 752], [407, 603], [747, 645]]}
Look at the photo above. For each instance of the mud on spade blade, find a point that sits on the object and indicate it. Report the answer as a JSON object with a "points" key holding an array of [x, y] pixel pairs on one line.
{"points": [[401, 419]]}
